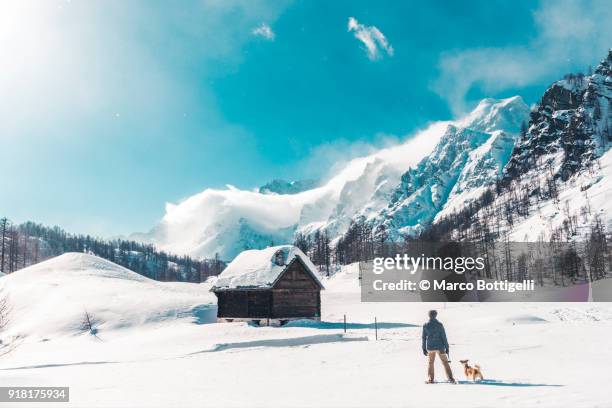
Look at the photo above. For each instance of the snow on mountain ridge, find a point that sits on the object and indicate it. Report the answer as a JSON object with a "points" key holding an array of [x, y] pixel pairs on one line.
{"points": [[229, 221], [484, 165], [495, 114], [468, 158], [278, 186]]}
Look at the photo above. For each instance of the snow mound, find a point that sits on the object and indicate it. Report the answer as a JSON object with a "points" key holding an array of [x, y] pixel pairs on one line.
{"points": [[83, 264], [52, 298], [261, 268]]}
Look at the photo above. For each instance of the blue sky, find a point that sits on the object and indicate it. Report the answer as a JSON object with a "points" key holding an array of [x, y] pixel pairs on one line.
{"points": [[109, 109]]}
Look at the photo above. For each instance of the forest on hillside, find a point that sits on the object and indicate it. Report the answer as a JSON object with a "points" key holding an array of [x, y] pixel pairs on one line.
{"points": [[29, 243]]}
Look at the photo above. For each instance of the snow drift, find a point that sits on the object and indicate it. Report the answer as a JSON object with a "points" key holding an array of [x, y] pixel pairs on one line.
{"points": [[51, 298]]}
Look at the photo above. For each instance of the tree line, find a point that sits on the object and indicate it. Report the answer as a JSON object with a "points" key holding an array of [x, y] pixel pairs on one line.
{"points": [[361, 242], [29, 243]]}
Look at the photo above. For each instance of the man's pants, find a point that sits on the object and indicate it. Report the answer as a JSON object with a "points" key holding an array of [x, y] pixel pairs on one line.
{"points": [[431, 355]]}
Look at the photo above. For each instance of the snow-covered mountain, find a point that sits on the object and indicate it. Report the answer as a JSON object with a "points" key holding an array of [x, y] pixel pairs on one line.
{"points": [[403, 187], [278, 186], [558, 180], [469, 157]]}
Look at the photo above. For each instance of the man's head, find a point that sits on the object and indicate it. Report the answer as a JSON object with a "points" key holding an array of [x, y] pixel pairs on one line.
{"points": [[432, 314]]}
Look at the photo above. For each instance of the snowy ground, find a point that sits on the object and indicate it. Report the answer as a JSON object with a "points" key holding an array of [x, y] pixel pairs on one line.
{"points": [[155, 347]]}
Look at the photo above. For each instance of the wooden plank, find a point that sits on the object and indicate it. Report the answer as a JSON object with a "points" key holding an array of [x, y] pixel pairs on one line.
{"points": [[258, 303], [295, 277]]}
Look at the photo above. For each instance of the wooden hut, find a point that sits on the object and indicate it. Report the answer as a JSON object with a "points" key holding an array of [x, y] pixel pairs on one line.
{"points": [[269, 286]]}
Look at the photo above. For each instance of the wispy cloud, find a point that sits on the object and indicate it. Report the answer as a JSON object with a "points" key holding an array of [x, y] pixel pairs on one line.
{"points": [[265, 31], [569, 32], [374, 41]]}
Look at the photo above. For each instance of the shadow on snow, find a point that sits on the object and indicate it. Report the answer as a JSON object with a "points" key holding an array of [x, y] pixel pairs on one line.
{"points": [[349, 326], [204, 314], [506, 384], [59, 365], [290, 342]]}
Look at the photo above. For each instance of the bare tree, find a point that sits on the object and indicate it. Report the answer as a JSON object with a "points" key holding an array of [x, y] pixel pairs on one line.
{"points": [[4, 319], [4, 310], [89, 324], [4, 226]]}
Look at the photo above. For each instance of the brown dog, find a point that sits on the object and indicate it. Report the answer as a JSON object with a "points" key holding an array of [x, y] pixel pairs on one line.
{"points": [[472, 373]]}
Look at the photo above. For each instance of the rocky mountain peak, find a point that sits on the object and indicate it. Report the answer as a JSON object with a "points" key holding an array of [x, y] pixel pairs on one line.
{"points": [[279, 186], [605, 66], [494, 114], [469, 156], [570, 125]]}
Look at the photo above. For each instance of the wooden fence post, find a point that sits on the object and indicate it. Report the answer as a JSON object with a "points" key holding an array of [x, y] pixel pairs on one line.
{"points": [[376, 327]]}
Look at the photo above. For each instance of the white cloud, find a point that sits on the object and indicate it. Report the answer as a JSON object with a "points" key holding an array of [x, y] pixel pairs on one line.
{"points": [[373, 39], [570, 33], [264, 30]]}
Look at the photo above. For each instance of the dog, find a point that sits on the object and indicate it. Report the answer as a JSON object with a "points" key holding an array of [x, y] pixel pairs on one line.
{"points": [[472, 373]]}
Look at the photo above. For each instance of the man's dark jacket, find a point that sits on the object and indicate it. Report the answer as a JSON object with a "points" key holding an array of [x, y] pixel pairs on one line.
{"points": [[434, 336]]}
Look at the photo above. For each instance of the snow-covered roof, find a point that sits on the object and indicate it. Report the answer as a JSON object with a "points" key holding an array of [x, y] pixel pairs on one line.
{"points": [[260, 268]]}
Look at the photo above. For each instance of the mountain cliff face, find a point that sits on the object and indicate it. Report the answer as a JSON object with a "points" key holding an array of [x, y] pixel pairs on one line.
{"points": [[469, 157], [573, 120], [557, 179]]}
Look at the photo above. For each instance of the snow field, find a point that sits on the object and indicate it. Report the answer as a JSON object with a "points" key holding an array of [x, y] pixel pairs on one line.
{"points": [[156, 348]]}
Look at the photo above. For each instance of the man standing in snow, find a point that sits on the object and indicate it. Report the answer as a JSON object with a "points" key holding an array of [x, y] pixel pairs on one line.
{"points": [[434, 342]]}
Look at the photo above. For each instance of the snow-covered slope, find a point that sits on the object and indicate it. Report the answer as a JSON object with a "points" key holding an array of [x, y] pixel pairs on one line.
{"points": [[470, 150], [51, 298], [586, 196]]}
